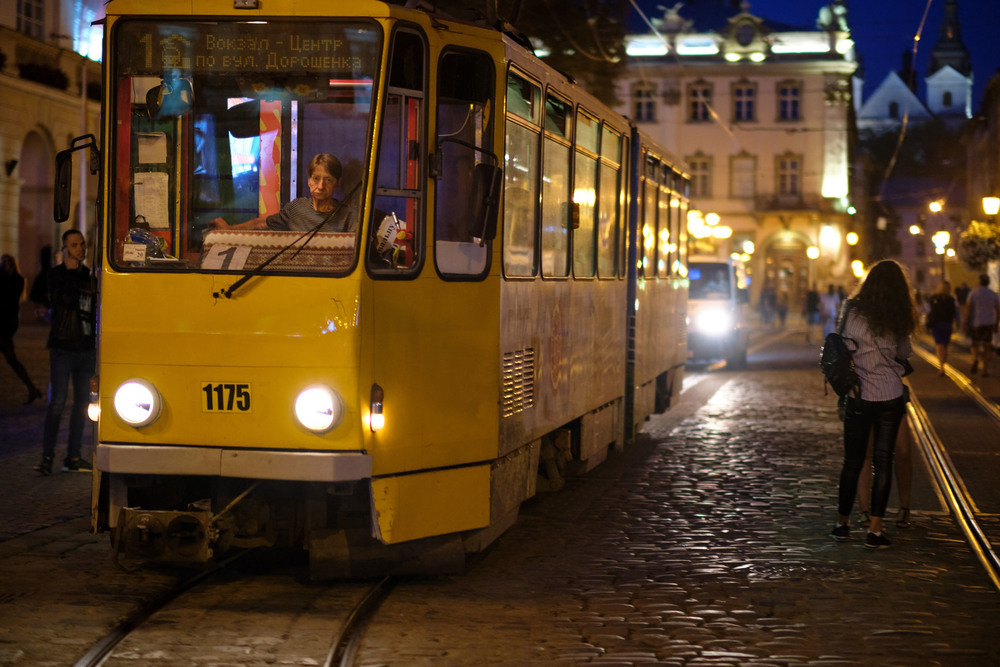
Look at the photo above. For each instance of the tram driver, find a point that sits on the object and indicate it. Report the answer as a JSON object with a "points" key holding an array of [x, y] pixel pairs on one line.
{"points": [[717, 282], [306, 213]]}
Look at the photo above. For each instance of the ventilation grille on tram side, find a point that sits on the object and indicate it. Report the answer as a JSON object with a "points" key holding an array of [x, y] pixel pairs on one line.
{"points": [[518, 381]]}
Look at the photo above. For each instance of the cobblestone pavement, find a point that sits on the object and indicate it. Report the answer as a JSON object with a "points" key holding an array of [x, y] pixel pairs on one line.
{"points": [[705, 543], [39, 501]]}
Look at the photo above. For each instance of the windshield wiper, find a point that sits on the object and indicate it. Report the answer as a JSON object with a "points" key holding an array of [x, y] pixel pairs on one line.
{"points": [[307, 235]]}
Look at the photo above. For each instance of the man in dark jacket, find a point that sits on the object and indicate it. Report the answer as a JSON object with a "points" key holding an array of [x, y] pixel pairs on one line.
{"points": [[72, 353]]}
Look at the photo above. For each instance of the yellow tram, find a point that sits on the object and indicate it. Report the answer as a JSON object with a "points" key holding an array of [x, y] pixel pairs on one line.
{"points": [[507, 293]]}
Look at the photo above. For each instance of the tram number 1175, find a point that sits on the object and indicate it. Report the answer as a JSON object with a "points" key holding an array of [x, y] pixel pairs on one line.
{"points": [[225, 397]]}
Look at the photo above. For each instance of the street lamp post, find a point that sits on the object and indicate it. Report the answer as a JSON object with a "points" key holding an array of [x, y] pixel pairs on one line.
{"points": [[940, 241]]}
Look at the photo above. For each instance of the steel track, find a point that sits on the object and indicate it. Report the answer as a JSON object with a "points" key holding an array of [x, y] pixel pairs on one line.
{"points": [[944, 471]]}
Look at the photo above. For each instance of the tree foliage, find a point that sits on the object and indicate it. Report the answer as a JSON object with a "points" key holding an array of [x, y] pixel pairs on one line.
{"points": [[979, 244]]}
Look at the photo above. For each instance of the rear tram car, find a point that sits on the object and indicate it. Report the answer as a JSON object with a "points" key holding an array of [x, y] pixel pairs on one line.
{"points": [[505, 303]]}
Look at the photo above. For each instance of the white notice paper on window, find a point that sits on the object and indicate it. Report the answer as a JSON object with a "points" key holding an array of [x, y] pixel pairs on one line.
{"points": [[152, 147], [151, 198]]}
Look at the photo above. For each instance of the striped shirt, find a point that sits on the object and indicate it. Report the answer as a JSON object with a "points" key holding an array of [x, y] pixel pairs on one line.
{"points": [[300, 216], [874, 358]]}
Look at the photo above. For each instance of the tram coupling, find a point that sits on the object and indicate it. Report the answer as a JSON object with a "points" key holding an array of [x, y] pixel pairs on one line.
{"points": [[165, 536]]}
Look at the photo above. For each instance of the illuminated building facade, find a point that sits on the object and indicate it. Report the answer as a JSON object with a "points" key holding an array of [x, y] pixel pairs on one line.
{"points": [[49, 92], [763, 114]]}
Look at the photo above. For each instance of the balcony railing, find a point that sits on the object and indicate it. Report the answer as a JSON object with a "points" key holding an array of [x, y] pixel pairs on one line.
{"points": [[796, 202], [50, 65]]}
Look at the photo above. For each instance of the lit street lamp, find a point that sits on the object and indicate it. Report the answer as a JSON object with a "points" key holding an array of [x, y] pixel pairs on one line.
{"points": [[991, 205], [940, 241]]}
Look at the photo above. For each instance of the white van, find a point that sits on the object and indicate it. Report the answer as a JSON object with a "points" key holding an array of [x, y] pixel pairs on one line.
{"points": [[718, 310]]}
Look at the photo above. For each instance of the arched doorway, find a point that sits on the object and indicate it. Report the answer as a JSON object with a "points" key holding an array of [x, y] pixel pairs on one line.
{"points": [[35, 227], [786, 268]]}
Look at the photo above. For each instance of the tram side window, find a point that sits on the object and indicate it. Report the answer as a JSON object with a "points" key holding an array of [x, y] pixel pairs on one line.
{"points": [[397, 227], [682, 234], [464, 141], [556, 209], [623, 203], [585, 195], [608, 202], [520, 217], [647, 236], [664, 238]]}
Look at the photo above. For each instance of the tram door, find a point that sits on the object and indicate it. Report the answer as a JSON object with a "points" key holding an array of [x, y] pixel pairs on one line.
{"points": [[429, 341]]}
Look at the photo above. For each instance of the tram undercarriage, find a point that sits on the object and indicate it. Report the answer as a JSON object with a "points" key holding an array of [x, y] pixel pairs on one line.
{"points": [[197, 519]]}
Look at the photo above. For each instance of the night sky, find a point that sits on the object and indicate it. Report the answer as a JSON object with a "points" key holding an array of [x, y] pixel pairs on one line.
{"points": [[883, 30]]}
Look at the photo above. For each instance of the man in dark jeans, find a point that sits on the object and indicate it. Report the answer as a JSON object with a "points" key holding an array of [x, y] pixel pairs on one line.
{"points": [[72, 353]]}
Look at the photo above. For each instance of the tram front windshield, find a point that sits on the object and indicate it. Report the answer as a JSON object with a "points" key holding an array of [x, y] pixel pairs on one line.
{"points": [[709, 281], [214, 126]]}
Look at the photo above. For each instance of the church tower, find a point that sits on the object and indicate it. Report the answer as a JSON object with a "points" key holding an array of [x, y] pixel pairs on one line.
{"points": [[949, 77]]}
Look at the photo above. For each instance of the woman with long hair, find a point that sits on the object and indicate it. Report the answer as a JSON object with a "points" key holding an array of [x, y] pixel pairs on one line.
{"points": [[11, 290], [879, 317]]}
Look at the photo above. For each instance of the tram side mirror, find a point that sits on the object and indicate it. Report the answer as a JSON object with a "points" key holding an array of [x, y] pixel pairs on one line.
{"points": [[573, 215], [486, 201], [63, 189], [64, 174], [172, 98], [243, 120]]}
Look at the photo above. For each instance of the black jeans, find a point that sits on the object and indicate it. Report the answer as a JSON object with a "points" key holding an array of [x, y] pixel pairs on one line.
{"points": [[68, 367], [860, 418]]}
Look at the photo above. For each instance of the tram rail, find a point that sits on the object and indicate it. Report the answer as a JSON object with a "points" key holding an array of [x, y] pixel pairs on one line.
{"points": [[343, 644], [946, 473], [104, 647]]}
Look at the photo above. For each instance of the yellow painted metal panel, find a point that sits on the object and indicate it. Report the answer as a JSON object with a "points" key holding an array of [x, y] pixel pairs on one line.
{"points": [[433, 503], [168, 329], [435, 355], [659, 323], [271, 321], [577, 333]]}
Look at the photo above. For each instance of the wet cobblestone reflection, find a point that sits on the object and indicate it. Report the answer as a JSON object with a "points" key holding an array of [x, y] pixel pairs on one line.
{"points": [[706, 544]]}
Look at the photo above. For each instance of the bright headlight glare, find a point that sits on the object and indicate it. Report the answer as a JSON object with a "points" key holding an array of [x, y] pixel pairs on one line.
{"points": [[137, 403], [714, 321], [318, 408]]}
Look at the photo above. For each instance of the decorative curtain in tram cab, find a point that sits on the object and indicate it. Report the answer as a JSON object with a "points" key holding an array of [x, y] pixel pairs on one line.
{"points": [[269, 169]]}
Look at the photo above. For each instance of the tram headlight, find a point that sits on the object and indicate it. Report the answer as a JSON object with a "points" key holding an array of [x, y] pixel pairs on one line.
{"points": [[318, 408], [714, 321], [137, 403]]}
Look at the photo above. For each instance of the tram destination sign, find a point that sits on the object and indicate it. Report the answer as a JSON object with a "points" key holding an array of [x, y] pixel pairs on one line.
{"points": [[336, 49]]}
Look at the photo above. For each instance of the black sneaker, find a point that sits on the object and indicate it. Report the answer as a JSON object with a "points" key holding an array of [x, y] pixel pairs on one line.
{"points": [[44, 466], [76, 465], [841, 533], [874, 541]]}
